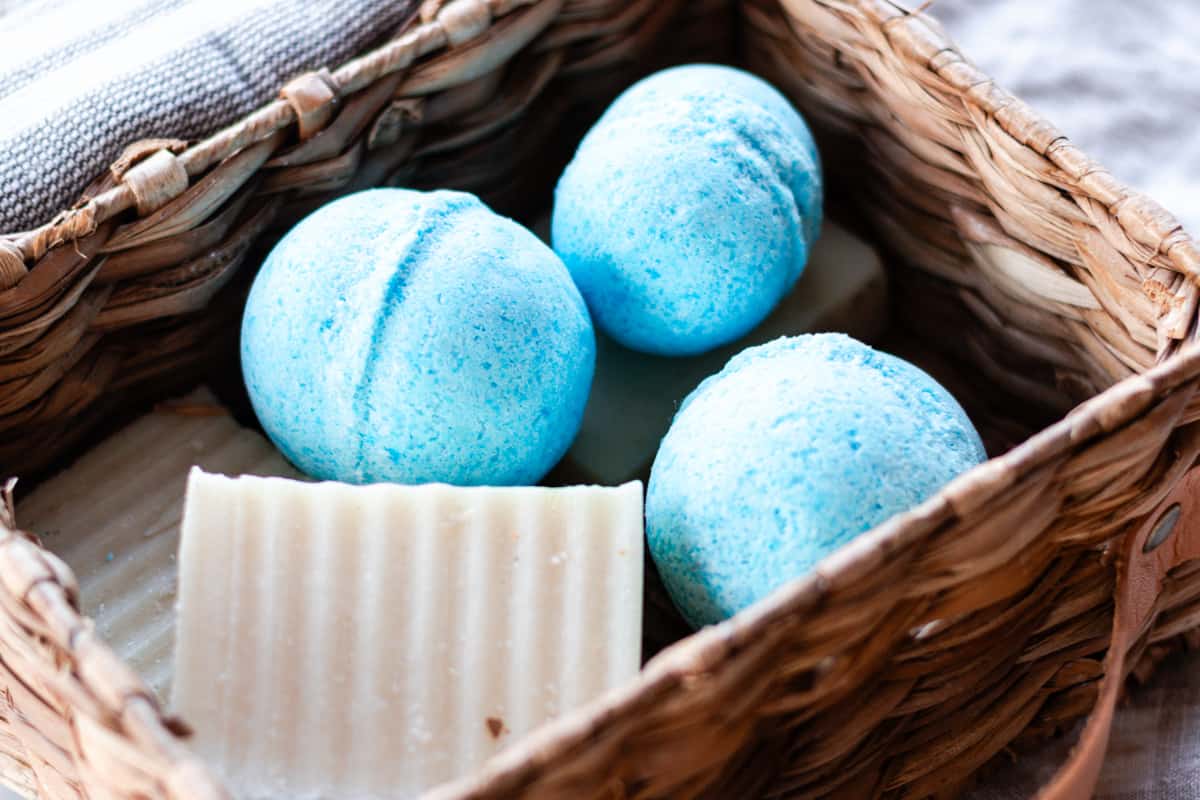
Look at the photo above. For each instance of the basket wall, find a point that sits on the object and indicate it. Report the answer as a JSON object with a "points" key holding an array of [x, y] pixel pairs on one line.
{"points": [[913, 656]]}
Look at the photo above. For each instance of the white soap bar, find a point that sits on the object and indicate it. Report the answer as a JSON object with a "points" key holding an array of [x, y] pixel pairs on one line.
{"points": [[375, 641], [635, 396], [113, 516]]}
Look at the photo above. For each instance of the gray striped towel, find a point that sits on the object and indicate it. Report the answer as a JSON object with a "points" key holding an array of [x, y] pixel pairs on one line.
{"points": [[80, 79]]}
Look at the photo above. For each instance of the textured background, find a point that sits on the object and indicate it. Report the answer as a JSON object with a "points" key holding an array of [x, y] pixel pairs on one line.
{"points": [[1120, 78]]}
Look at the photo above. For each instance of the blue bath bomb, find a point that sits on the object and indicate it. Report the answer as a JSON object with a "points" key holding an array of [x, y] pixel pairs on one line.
{"points": [[414, 337], [689, 209], [792, 450], [702, 80]]}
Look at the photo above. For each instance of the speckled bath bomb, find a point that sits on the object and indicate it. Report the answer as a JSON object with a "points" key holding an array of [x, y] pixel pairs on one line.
{"points": [[689, 209], [415, 337], [791, 451]]}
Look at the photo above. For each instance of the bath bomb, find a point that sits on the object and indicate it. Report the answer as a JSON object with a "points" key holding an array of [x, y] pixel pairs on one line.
{"points": [[792, 450], [689, 209], [701, 81], [414, 337]]}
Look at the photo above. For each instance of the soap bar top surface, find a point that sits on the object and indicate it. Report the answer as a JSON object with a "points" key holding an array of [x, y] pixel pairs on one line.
{"points": [[375, 641], [689, 209], [395, 335], [792, 450]]}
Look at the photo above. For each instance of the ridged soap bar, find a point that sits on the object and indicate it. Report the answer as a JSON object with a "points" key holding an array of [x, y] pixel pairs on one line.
{"points": [[374, 641]]}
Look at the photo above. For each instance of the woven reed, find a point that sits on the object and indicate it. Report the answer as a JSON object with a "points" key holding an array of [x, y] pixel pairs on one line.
{"points": [[911, 657]]}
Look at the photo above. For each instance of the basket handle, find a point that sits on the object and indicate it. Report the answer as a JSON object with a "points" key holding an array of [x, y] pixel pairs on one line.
{"points": [[1169, 538]]}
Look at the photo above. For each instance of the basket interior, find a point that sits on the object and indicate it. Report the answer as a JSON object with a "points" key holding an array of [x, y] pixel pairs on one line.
{"points": [[923, 305]]}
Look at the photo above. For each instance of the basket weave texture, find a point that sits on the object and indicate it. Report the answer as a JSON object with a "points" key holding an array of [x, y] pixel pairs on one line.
{"points": [[910, 658]]}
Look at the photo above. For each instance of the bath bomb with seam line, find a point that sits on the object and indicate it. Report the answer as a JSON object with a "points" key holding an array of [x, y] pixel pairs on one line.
{"points": [[795, 448], [688, 210], [701, 81], [413, 337]]}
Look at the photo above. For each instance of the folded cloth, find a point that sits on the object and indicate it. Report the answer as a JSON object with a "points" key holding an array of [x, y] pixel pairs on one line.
{"points": [[80, 79]]}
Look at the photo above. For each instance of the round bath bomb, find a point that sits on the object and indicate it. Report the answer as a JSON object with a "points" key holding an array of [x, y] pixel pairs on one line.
{"points": [[414, 337], [792, 450], [702, 80], [689, 209]]}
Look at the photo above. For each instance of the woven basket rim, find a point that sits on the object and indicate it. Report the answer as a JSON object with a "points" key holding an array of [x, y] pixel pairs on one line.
{"points": [[456, 22]]}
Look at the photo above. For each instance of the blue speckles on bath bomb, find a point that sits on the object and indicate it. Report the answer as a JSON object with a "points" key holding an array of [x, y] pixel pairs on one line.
{"points": [[688, 210], [415, 337], [791, 451]]}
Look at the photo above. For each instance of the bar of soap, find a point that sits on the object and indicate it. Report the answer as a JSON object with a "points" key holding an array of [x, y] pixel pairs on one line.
{"points": [[375, 641], [113, 516], [635, 395]]}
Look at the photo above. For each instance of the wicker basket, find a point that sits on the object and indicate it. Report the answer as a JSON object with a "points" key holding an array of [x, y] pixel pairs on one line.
{"points": [[1027, 277]]}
